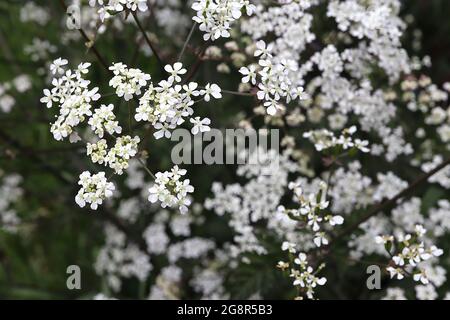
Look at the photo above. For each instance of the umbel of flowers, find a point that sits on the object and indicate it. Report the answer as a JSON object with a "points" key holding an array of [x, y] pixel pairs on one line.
{"points": [[165, 106]]}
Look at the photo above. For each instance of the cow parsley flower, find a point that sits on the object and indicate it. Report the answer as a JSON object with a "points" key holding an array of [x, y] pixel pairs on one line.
{"points": [[103, 120], [409, 254], [57, 66], [324, 139], [200, 125], [74, 97], [94, 189], [168, 104], [213, 90], [311, 212], [128, 82], [175, 71], [170, 190], [249, 74], [306, 277], [117, 158], [110, 7], [215, 17], [125, 148]]}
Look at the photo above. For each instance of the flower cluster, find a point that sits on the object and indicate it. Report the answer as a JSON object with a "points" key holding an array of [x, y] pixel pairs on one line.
{"points": [[110, 7], [128, 82], [409, 251], [311, 212], [324, 139], [170, 190], [168, 104], [72, 94], [103, 120], [94, 189], [305, 277], [215, 17], [117, 157], [274, 77]]}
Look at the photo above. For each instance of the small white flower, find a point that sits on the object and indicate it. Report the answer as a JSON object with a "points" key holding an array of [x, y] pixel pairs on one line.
{"points": [[288, 246], [56, 66], [395, 272], [200, 125], [213, 90], [262, 50], [175, 71], [249, 74]]}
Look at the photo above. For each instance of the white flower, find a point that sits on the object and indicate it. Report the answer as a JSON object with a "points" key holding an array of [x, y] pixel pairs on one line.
{"points": [[200, 125], [421, 276], [249, 74], [174, 71], [262, 50], [94, 189], [336, 220], [301, 260], [213, 90], [320, 239], [395, 272], [47, 98], [420, 230], [124, 149], [288, 246], [56, 66], [170, 190]]}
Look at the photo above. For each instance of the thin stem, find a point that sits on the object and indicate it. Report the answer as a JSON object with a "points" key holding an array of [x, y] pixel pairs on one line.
{"points": [[130, 127], [187, 40], [147, 39], [91, 43], [146, 168], [388, 203], [236, 93]]}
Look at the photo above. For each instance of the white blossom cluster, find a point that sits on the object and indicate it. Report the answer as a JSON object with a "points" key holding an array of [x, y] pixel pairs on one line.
{"points": [[408, 251], [94, 189], [215, 17], [104, 120], [319, 87], [72, 94], [169, 104], [111, 7], [305, 277], [273, 78], [171, 190], [31, 12], [331, 93], [118, 156], [128, 82], [311, 212], [324, 139]]}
